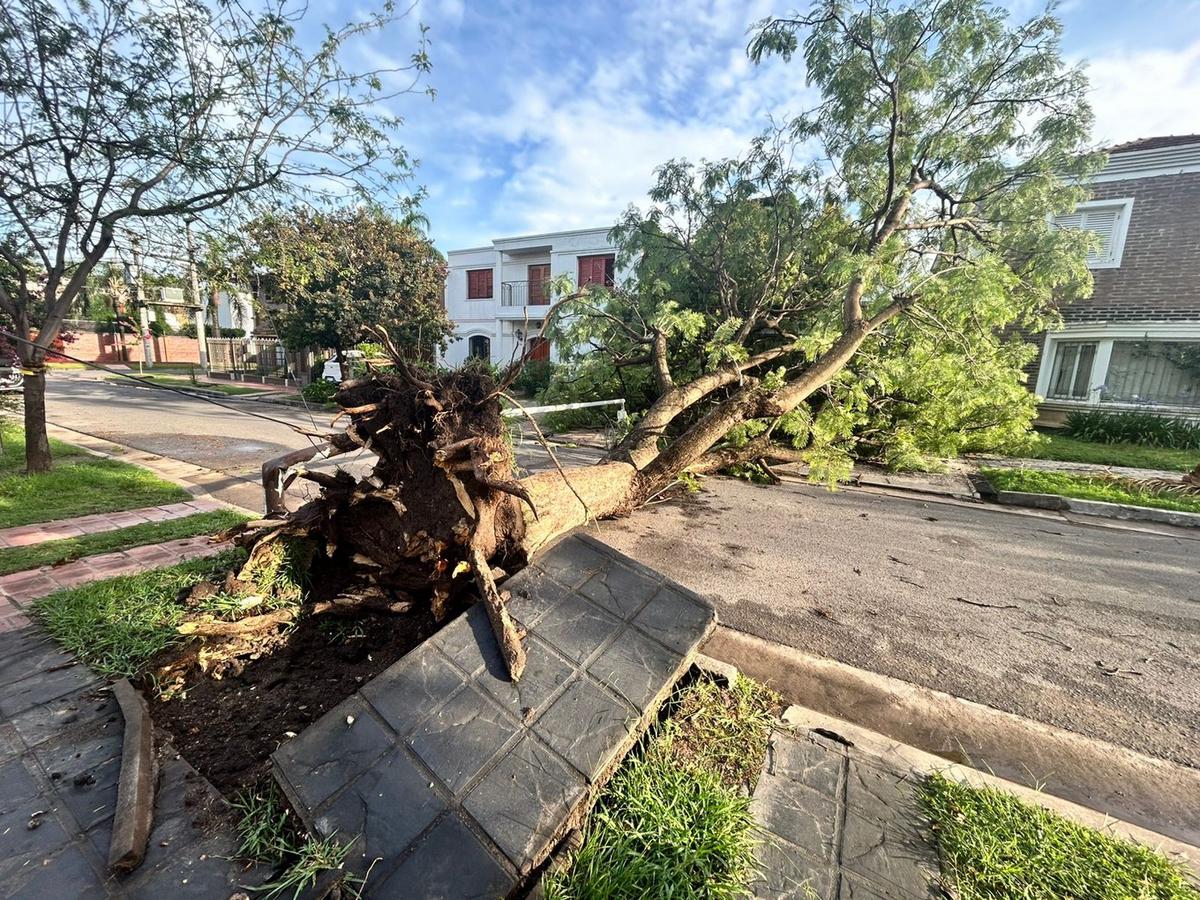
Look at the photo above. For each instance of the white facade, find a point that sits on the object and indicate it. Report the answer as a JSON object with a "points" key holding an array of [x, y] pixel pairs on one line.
{"points": [[496, 315]]}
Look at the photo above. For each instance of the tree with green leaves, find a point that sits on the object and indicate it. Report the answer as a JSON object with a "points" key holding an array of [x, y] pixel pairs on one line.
{"points": [[326, 276], [119, 114]]}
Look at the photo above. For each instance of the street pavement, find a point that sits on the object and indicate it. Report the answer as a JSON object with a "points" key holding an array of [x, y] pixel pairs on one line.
{"points": [[1091, 627]]}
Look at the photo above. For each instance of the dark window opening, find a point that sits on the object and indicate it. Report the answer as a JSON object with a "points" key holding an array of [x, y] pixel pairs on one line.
{"points": [[480, 347]]}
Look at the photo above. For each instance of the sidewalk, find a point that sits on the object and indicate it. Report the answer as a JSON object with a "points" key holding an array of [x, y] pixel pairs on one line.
{"points": [[26, 535], [839, 807], [1075, 468]]}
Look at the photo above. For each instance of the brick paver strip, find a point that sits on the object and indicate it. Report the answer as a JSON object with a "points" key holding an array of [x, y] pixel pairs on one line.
{"points": [[24, 535], [19, 589], [839, 824], [60, 746], [451, 781]]}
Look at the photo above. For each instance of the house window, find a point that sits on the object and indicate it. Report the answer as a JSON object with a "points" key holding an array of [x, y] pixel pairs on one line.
{"points": [[1072, 374], [597, 270], [479, 284], [479, 347], [539, 275], [1153, 373], [1108, 220]]}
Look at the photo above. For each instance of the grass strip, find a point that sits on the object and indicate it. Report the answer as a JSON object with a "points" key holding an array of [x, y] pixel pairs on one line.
{"points": [[993, 846], [229, 389], [1087, 487], [52, 553], [79, 484], [117, 625], [1138, 456], [673, 821]]}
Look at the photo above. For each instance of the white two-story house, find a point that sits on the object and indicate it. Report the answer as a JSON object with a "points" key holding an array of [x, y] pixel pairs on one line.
{"points": [[497, 298]]}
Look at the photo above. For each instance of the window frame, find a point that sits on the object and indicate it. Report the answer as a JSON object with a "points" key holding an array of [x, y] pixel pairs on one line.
{"points": [[1105, 335], [1116, 250], [491, 283], [608, 280]]}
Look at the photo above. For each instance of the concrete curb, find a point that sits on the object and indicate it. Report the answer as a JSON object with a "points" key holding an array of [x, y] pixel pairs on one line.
{"points": [[1057, 502], [1143, 790], [905, 757]]}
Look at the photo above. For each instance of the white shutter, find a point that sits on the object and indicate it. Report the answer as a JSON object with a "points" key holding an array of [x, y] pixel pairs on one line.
{"points": [[1103, 223], [1073, 221]]}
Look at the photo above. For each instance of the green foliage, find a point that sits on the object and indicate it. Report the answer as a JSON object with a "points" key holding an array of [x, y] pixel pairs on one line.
{"points": [[1059, 446], [266, 828], [674, 821], [1133, 427], [319, 391], [993, 846], [1106, 488], [118, 625], [534, 377], [332, 274]]}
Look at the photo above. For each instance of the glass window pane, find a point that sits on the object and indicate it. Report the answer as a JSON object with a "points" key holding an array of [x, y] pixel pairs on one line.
{"points": [[1148, 372], [1072, 373]]}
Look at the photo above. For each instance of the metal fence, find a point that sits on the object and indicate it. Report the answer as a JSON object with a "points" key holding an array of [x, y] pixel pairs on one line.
{"points": [[265, 361]]}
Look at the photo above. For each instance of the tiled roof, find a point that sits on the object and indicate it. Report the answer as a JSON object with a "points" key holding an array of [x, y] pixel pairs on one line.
{"points": [[1155, 143]]}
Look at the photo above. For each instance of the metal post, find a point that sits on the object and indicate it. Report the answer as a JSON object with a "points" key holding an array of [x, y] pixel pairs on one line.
{"points": [[201, 306], [143, 313]]}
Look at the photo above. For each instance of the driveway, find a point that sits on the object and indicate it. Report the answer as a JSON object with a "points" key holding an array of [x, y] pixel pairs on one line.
{"points": [[1090, 628], [1094, 629]]}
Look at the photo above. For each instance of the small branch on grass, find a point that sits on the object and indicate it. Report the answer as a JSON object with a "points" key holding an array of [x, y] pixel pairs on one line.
{"points": [[241, 628]]}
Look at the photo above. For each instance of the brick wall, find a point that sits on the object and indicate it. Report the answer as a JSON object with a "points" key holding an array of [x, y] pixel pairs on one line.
{"points": [[107, 348], [1159, 276]]}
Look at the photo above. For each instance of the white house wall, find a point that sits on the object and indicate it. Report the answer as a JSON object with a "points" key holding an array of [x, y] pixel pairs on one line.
{"points": [[509, 259]]}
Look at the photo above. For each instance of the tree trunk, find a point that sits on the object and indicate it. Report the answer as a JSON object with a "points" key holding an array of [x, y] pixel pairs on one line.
{"points": [[37, 442]]}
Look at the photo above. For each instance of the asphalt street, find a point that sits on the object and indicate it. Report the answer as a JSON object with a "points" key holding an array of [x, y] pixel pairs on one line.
{"points": [[1094, 629]]}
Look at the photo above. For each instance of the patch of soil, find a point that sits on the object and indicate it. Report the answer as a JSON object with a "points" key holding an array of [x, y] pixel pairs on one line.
{"points": [[227, 728]]}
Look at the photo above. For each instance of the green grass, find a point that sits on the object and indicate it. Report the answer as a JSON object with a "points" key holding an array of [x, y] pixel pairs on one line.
{"points": [[1088, 487], [673, 822], [78, 485], [267, 829], [118, 625], [49, 553], [1068, 449], [187, 383], [994, 847]]}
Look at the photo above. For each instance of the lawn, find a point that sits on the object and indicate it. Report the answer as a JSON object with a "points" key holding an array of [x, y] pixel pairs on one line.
{"points": [[78, 485], [675, 819], [1066, 449], [118, 625], [49, 553], [1089, 487], [187, 383], [994, 847]]}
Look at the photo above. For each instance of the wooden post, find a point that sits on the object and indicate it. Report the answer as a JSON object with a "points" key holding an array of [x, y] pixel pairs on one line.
{"points": [[135, 790]]}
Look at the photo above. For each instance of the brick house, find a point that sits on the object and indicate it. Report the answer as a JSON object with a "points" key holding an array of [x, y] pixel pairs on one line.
{"points": [[1135, 343]]}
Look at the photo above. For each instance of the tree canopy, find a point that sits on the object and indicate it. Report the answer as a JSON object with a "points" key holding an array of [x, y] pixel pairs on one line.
{"points": [[119, 113], [861, 277], [326, 276]]}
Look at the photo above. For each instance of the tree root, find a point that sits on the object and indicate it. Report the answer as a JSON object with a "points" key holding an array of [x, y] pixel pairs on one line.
{"points": [[508, 634], [209, 627]]}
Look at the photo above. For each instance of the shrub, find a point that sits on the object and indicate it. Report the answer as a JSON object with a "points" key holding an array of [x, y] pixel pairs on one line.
{"points": [[320, 391], [232, 332], [534, 377], [187, 329], [1138, 427]]}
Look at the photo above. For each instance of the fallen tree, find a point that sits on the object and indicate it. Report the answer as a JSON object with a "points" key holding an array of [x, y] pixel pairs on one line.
{"points": [[951, 140]]}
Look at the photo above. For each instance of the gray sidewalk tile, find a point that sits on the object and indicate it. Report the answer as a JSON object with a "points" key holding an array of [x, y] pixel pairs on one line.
{"points": [[449, 863], [411, 689], [524, 801], [462, 737], [585, 726], [636, 667], [787, 873], [801, 815], [805, 761]]}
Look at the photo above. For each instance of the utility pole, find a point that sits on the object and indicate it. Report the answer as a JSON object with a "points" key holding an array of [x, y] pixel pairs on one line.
{"points": [[201, 305], [140, 299]]}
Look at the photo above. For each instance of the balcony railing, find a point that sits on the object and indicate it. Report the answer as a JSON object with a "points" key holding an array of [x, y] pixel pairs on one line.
{"points": [[524, 293]]}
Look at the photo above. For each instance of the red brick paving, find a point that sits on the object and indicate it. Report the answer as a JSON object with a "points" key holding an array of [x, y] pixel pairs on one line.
{"points": [[21, 588], [24, 535]]}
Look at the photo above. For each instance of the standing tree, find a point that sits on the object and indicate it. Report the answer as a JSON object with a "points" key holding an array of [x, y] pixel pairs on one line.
{"points": [[327, 276], [950, 139], [116, 113]]}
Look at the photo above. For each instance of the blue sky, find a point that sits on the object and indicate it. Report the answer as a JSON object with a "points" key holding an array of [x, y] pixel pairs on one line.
{"points": [[552, 115]]}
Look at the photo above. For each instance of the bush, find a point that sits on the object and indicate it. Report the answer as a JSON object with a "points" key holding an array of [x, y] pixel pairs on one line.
{"points": [[320, 392], [535, 377], [232, 332], [187, 329], [1145, 428], [160, 328]]}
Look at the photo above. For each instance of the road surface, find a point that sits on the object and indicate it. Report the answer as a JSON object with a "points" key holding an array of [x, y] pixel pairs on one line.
{"points": [[1094, 629]]}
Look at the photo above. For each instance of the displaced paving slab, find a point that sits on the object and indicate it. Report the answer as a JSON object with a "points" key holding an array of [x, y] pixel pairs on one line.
{"points": [[448, 780]]}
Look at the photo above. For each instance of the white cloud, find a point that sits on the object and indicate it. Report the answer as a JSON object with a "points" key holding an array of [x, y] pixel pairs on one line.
{"points": [[1146, 92]]}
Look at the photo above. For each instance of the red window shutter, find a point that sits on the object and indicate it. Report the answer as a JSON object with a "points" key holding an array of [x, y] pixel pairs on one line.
{"points": [[539, 274], [479, 284], [596, 270]]}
